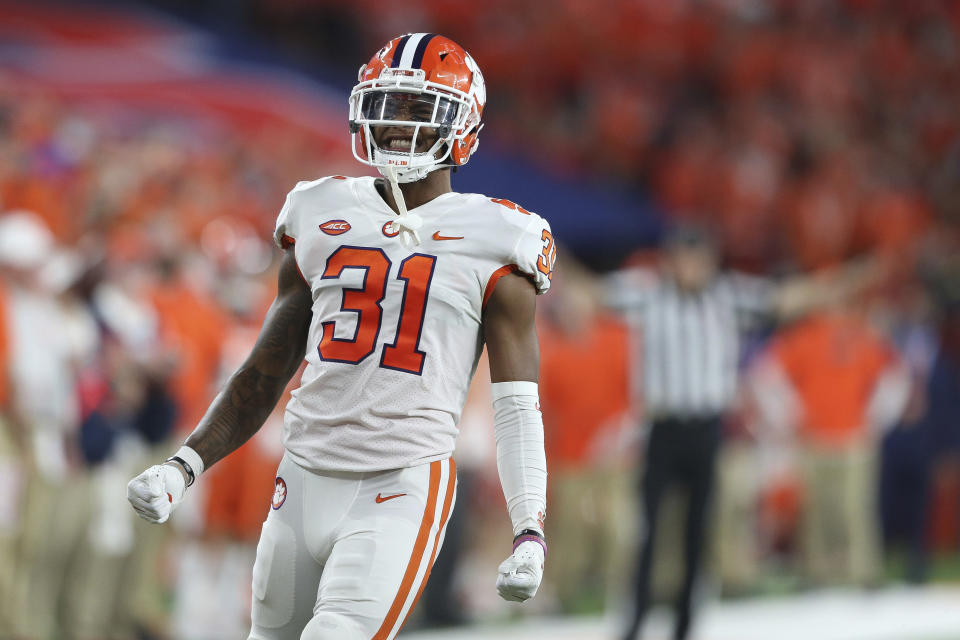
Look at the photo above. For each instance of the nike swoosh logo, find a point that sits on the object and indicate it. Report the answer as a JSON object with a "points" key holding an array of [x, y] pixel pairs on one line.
{"points": [[437, 236], [382, 498]]}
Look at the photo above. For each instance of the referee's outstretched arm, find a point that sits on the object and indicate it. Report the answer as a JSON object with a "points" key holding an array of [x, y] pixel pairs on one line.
{"points": [[804, 293]]}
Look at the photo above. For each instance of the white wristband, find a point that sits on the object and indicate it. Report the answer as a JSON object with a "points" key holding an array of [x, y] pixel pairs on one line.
{"points": [[192, 458]]}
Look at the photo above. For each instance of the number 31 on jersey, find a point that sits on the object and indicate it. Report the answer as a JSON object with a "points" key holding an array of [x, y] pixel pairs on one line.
{"points": [[404, 354]]}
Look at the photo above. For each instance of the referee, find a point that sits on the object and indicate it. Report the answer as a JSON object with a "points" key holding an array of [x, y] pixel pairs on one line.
{"points": [[689, 317]]}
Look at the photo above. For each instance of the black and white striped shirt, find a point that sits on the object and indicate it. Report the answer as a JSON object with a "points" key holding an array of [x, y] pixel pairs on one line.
{"points": [[687, 345]]}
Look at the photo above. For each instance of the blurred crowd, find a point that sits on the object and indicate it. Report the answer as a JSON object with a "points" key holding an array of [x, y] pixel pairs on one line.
{"points": [[808, 130], [135, 269], [136, 265]]}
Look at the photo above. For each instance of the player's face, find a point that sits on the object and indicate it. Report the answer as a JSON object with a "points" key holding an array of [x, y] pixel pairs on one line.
{"points": [[408, 107]]}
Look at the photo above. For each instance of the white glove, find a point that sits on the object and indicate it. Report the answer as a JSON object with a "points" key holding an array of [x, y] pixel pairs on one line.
{"points": [[156, 492], [519, 575]]}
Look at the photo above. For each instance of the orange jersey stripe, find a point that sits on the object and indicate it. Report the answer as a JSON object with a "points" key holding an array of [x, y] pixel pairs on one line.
{"points": [[415, 557], [447, 502]]}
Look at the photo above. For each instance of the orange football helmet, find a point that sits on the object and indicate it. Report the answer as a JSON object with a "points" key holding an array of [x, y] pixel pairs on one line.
{"points": [[422, 81]]}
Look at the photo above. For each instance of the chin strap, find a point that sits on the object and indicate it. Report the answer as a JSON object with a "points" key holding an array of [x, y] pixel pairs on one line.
{"points": [[406, 223]]}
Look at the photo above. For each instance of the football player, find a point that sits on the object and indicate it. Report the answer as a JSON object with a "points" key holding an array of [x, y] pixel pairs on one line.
{"points": [[389, 287]]}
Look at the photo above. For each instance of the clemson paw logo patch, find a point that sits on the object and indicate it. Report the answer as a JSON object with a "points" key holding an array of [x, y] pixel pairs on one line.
{"points": [[279, 493], [387, 232], [335, 227]]}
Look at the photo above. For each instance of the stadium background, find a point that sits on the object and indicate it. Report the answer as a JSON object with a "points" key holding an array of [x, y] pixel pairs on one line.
{"points": [[154, 142]]}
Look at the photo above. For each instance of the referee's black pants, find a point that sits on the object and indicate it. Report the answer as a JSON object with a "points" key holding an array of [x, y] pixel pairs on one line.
{"points": [[680, 450]]}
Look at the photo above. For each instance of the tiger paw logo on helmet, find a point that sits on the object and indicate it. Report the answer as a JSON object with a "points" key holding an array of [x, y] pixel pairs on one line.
{"points": [[417, 106]]}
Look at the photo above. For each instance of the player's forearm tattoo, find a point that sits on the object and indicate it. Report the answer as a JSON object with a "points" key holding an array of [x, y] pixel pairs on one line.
{"points": [[241, 408]]}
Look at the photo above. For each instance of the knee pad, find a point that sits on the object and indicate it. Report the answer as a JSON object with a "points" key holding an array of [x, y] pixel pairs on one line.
{"points": [[333, 626]]}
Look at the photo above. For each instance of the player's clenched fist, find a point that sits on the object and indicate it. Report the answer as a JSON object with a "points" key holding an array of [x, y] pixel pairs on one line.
{"points": [[156, 492], [519, 575]]}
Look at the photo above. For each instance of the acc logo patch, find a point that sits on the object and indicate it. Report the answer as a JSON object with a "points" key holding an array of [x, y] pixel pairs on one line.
{"points": [[279, 493], [335, 227]]}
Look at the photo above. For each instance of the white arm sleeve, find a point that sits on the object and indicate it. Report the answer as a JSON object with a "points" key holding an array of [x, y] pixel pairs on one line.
{"points": [[521, 461]]}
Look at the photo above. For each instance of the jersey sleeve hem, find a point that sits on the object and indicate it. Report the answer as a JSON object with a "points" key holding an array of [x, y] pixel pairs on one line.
{"points": [[494, 278]]}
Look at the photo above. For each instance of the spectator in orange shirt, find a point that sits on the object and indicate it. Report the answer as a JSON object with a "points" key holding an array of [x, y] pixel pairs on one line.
{"points": [[195, 325], [238, 489], [235, 495], [584, 396], [843, 383]]}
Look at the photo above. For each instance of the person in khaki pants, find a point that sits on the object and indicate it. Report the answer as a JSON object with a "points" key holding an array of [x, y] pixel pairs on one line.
{"points": [[839, 525], [11, 499], [845, 383], [43, 342], [585, 399], [10, 476], [735, 540]]}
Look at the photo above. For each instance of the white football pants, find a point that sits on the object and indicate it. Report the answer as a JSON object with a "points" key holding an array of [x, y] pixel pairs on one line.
{"points": [[345, 556]]}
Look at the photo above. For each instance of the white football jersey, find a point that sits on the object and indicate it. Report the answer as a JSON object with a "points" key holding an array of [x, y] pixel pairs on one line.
{"points": [[395, 335]]}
